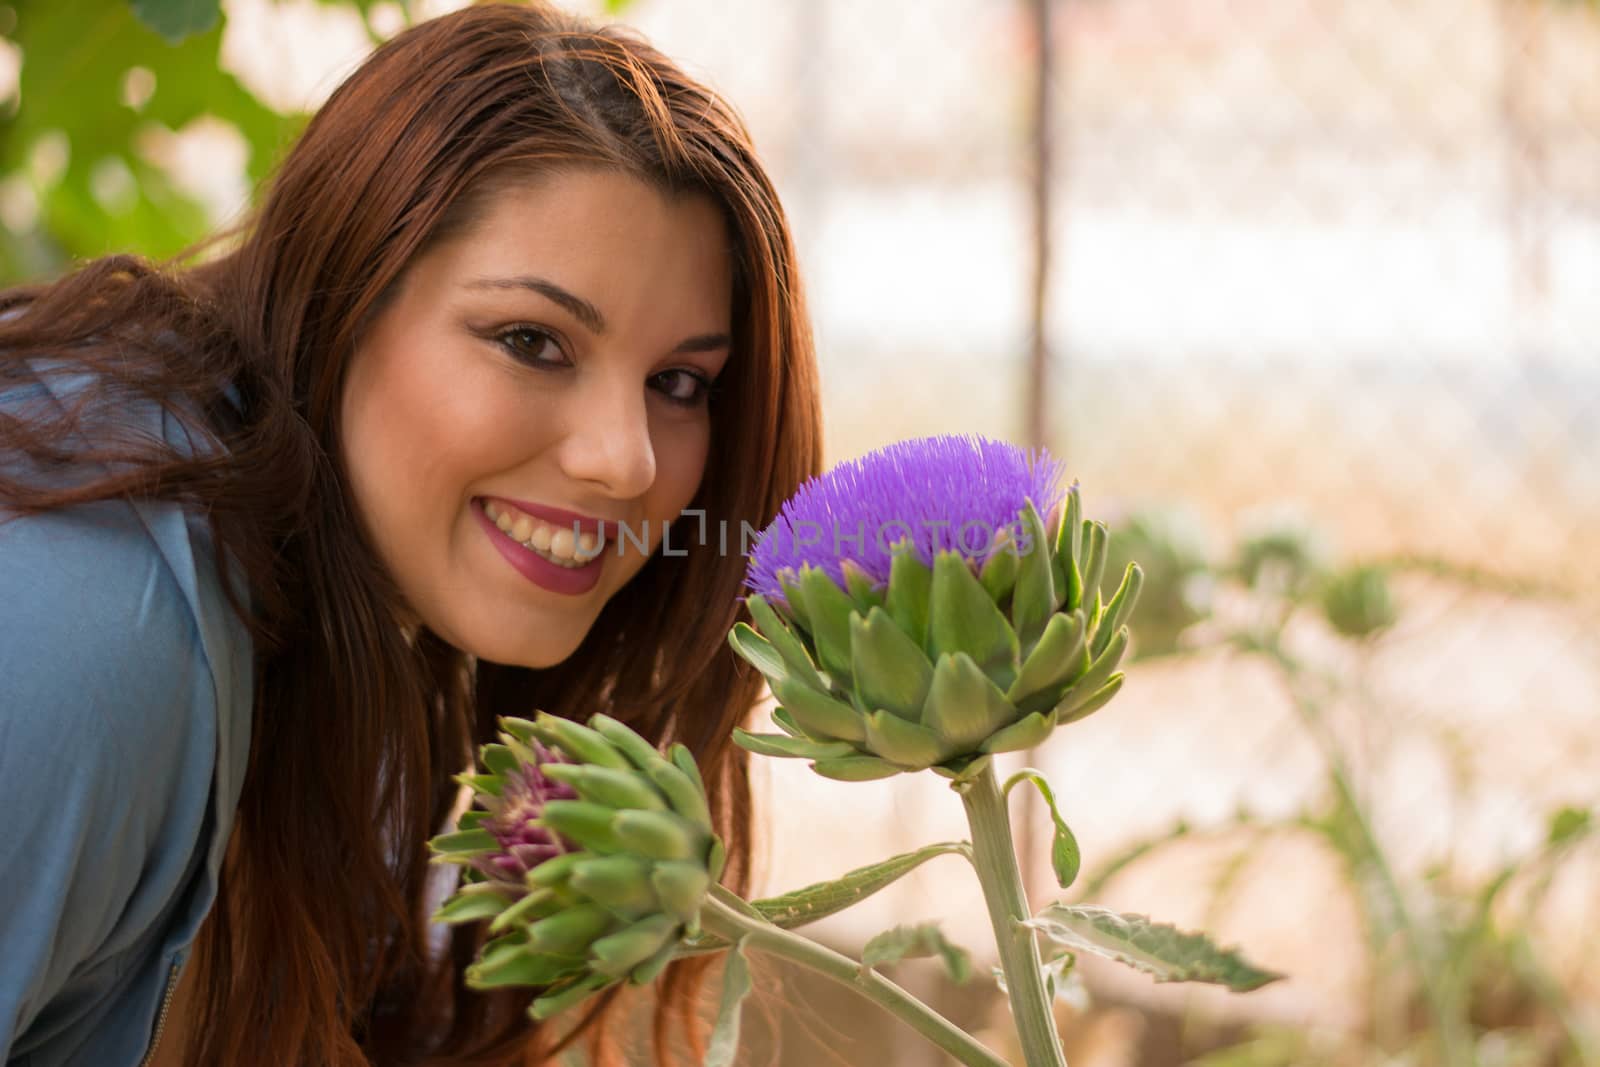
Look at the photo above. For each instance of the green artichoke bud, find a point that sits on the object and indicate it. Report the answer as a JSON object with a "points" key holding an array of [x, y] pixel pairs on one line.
{"points": [[590, 855], [1357, 601], [931, 651], [1281, 553]]}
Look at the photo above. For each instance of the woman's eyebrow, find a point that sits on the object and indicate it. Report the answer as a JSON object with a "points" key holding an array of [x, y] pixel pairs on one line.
{"points": [[706, 342], [588, 314], [580, 308]]}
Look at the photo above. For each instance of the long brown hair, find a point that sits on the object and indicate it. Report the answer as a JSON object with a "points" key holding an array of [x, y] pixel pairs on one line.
{"points": [[317, 949]]}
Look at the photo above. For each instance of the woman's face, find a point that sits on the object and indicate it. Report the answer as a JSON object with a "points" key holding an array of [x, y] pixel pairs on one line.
{"points": [[545, 368]]}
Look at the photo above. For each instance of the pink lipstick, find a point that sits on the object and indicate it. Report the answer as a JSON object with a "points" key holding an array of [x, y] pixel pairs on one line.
{"points": [[570, 581]]}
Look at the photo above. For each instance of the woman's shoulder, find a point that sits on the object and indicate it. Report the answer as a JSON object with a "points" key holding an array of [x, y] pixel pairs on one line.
{"points": [[125, 703]]}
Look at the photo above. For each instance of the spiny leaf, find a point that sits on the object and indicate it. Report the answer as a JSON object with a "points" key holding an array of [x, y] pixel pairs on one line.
{"points": [[818, 901], [923, 939], [1170, 954]]}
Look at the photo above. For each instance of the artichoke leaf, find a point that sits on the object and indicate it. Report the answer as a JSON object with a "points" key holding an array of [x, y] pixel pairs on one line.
{"points": [[1034, 600], [866, 593], [829, 609], [964, 707], [1025, 733], [1069, 550], [1095, 538], [819, 715], [1099, 699], [910, 585], [1052, 662], [758, 652], [855, 768], [999, 572], [1119, 609], [906, 744], [889, 669], [962, 618], [788, 646], [1097, 675], [792, 747]]}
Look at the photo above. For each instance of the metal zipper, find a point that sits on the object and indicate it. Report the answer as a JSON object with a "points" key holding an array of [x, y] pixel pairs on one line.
{"points": [[161, 1018]]}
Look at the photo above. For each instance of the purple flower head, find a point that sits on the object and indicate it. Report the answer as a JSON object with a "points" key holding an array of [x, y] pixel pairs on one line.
{"points": [[514, 816], [950, 492]]}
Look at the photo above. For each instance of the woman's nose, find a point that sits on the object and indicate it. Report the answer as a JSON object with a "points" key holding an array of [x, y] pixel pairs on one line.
{"points": [[607, 441]]}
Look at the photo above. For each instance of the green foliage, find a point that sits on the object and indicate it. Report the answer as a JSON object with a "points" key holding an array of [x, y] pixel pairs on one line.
{"points": [[177, 19], [77, 139]]}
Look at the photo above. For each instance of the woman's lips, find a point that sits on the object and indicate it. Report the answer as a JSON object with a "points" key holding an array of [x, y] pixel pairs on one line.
{"points": [[570, 581]]}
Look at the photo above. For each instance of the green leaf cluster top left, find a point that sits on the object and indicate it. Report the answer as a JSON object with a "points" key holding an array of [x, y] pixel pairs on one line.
{"points": [[96, 81]]}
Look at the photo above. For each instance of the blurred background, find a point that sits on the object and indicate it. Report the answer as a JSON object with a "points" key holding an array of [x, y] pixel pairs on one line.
{"points": [[1306, 293]]}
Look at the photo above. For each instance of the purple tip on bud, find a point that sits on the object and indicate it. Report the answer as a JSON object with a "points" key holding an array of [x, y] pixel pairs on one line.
{"points": [[514, 820]]}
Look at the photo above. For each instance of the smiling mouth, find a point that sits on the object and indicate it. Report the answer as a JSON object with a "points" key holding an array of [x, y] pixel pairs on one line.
{"points": [[554, 543]]}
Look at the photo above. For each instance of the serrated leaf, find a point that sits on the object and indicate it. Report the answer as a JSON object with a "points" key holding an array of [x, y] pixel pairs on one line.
{"points": [[821, 899], [735, 987], [1158, 949], [923, 939], [1064, 855], [177, 19]]}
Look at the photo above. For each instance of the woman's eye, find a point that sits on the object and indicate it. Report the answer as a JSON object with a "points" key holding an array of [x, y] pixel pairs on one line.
{"points": [[685, 387], [531, 345]]}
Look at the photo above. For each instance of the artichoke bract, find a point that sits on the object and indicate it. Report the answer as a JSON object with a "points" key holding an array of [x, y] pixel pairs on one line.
{"points": [[959, 624], [590, 856]]}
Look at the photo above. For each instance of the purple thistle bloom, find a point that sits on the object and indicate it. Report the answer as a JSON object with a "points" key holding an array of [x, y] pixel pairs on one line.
{"points": [[948, 492], [514, 820]]}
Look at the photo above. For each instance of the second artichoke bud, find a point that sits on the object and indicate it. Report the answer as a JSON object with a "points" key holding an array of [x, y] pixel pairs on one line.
{"points": [[590, 857]]}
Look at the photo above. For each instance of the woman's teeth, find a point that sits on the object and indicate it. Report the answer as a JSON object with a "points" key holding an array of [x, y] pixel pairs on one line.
{"points": [[554, 543]]}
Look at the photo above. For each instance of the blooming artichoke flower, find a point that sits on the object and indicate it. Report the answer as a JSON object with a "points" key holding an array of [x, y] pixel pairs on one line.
{"points": [[590, 856], [913, 610]]}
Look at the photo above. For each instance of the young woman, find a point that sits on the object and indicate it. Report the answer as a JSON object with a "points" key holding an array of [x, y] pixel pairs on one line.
{"points": [[281, 535]]}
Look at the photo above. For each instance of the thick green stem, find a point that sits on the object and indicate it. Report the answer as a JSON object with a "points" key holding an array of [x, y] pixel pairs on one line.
{"points": [[996, 862], [724, 919]]}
